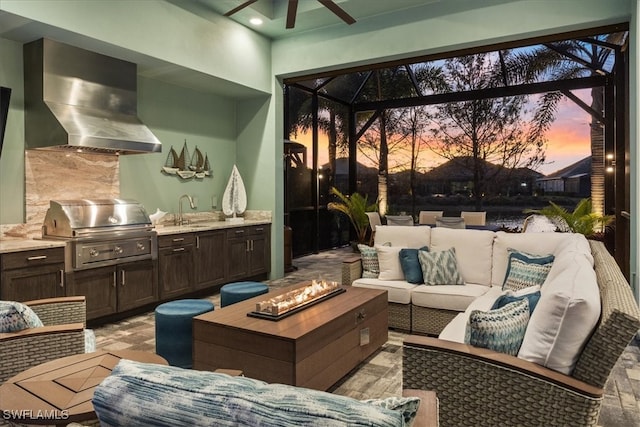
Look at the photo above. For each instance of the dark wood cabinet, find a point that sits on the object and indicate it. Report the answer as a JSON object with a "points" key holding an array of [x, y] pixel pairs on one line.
{"points": [[109, 290], [209, 258], [248, 252], [99, 287], [175, 265], [31, 275], [137, 284]]}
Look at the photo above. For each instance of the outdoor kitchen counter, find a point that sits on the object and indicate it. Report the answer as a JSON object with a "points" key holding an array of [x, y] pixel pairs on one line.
{"points": [[207, 225], [18, 245]]}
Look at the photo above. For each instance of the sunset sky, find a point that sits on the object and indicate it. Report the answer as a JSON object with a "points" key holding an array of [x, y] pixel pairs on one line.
{"points": [[568, 139]]}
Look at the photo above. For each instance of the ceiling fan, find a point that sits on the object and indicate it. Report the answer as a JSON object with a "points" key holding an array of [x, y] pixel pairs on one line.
{"points": [[293, 8]]}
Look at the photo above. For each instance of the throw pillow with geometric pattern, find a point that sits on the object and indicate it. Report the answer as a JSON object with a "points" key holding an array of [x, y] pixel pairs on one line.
{"points": [[440, 268], [15, 316], [370, 264], [500, 330], [525, 270]]}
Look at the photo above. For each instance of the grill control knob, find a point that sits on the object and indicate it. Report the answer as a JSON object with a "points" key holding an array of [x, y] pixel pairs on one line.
{"points": [[93, 253], [117, 250], [140, 246]]}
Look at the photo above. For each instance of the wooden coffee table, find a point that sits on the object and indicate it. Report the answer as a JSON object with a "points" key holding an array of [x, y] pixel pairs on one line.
{"points": [[60, 391], [313, 348]]}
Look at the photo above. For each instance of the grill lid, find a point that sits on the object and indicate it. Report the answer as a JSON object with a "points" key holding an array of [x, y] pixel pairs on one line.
{"points": [[67, 218]]}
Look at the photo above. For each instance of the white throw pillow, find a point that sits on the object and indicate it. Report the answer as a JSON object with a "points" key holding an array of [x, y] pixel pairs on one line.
{"points": [[564, 318], [389, 262]]}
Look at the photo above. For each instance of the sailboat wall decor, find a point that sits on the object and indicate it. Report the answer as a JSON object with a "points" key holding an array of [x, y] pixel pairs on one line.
{"points": [[185, 166], [234, 199]]}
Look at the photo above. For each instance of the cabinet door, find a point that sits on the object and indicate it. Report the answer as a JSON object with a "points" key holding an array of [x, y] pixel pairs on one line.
{"points": [[137, 284], [26, 284], [175, 271], [260, 253], [209, 258], [99, 286], [237, 262]]}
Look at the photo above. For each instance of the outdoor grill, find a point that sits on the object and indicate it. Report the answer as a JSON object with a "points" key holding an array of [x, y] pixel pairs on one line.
{"points": [[101, 232]]}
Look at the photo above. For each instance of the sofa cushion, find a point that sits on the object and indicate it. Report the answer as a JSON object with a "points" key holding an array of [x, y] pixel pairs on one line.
{"points": [[398, 291], [567, 312], [389, 261], [533, 243], [144, 394], [370, 264], [474, 251], [525, 270], [447, 297], [411, 264], [440, 268], [15, 316], [500, 330], [403, 236]]}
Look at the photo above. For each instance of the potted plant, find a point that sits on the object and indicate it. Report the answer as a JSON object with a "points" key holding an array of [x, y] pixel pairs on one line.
{"points": [[354, 207], [582, 220]]}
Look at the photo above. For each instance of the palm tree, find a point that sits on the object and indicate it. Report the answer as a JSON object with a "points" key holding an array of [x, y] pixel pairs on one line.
{"points": [[566, 60]]}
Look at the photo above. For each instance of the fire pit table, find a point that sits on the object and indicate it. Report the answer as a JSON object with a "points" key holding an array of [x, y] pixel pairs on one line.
{"points": [[313, 347]]}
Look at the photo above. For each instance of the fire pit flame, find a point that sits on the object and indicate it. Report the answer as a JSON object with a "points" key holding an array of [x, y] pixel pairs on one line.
{"points": [[296, 298]]}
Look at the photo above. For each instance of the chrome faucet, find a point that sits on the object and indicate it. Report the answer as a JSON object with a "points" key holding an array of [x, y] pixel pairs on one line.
{"points": [[180, 220]]}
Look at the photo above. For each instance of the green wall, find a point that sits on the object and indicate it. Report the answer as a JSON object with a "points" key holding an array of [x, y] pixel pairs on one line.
{"points": [[175, 114], [12, 160]]}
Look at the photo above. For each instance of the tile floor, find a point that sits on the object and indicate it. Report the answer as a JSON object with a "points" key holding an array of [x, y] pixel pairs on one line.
{"points": [[381, 374]]}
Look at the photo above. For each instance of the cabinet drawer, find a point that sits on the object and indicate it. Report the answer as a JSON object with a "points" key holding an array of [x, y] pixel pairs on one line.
{"points": [[246, 231], [32, 258], [176, 240]]}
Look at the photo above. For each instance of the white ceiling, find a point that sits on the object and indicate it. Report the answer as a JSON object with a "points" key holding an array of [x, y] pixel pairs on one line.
{"points": [[311, 14]]}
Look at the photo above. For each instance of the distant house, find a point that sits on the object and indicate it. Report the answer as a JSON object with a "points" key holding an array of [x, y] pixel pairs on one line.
{"points": [[456, 176], [573, 180]]}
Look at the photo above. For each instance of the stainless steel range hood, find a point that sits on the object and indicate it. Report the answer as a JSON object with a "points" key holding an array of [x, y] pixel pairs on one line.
{"points": [[81, 100]]}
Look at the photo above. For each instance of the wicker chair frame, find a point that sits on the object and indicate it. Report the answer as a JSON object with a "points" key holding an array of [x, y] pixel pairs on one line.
{"points": [[62, 335]]}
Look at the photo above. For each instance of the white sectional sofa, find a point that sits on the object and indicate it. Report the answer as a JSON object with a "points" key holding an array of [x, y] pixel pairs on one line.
{"points": [[584, 318], [482, 262]]}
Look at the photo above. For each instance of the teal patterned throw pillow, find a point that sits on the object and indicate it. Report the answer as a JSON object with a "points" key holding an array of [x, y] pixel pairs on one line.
{"points": [[15, 316], [440, 268], [525, 270], [500, 330], [370, 265], [407, 405]]}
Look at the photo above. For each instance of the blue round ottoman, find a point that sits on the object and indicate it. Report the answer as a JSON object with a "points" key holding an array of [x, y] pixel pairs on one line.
{"points": [[232, 293], [174, 327]]}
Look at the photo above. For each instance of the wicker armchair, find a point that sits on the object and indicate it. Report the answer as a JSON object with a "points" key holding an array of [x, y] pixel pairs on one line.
{"points": [[62, 335], [480, 387]]}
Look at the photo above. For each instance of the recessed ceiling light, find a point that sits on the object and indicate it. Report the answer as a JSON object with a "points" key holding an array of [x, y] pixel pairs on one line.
{"points": [[255, 21]]}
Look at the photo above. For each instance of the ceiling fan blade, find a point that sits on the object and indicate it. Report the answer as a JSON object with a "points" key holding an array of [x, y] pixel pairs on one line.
{"points": [[329, 4], [291, 13], [242, 6]]}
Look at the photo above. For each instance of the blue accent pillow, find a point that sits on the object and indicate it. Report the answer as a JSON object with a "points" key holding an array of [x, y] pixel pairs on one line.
{"points": [[524, 270], [411, 264], [503, 300]]}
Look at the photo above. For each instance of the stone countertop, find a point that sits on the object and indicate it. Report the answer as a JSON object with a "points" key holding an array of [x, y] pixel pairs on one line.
{"points": [[18, 245], [207, 225]]}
